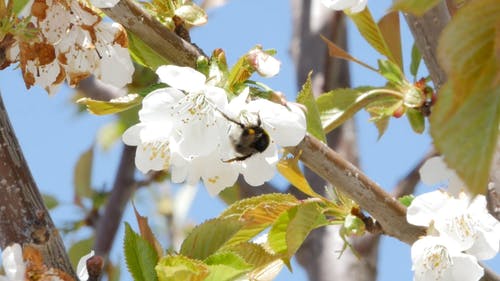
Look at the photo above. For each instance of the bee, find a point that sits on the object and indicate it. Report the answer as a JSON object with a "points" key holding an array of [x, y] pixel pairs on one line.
{"points": [[253, 139]]}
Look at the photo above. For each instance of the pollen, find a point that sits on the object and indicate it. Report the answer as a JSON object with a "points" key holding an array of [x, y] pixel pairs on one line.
{"points": [[213, 180]]}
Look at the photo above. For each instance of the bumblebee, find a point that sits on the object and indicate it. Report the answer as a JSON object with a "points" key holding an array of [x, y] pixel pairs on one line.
{"points": [[253, 139]]}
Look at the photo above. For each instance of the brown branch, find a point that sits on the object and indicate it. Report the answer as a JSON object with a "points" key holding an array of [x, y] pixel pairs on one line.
{"points": [[426, 31], [123, 188], [163, 41], [347, 178], [24, 218]]}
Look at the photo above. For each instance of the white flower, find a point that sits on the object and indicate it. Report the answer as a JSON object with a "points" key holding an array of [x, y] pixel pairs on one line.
{"points": [[354, 6], [286, 126], [13, 263], [434, 171], [436, 258], [265, 64], [466, 222], [81, 268], [104, 3]]}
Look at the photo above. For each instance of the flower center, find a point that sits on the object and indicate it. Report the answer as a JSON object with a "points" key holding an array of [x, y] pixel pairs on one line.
{"points": [[159, 149], [437, 259], [463, 226], [195, 107]]}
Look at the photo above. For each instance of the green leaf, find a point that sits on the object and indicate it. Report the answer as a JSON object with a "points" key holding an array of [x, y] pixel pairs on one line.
{"points": [[390, 28], [416, 58], [226, 266], [406, 200], [83, 174], [50, 201], [291, 229], [99, 107], [339, 105], [416, 7], [80, 249], [140, 256], [391, 72], [147, 233], [19, 5], [241, 207], [192, 14], [337, 52], [175, 268], [467, 44], [370, 31], [467, 133], [289, 168], [306, 97], [208, 237], [143, 54], [416, 119]]}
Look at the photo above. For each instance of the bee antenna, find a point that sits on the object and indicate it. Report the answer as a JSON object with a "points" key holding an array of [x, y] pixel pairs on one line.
{"points": [[231, 119]]}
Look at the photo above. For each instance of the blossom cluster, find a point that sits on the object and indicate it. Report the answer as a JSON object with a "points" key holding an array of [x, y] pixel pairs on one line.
{"points": [[192, 129], [460, 232], [17, 269], [71, 43]]}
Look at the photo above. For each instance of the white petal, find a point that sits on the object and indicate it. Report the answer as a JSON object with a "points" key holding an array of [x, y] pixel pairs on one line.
{"points": [[359, 6], [218, 175], [286, 126], [152, 156], [465, 268], [115, 66], [424, 207], [81, 269], [104, 3], [13, 263], [182, 78], [434, 171], [338, 5], [157, 105], [132, 135], [260, 167]]}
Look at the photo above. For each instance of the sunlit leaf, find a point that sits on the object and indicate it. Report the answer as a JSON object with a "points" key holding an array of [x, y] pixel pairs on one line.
{"points": [[99, 107], [226, 266], [147, 233], [467, 44], [19, 5], [390, 28], [83, 174], [337, 52], [370, 31], [391, 72], [416, 119], [306, 97], [80, 249], [339, 105], [289, 168], [140, 256], [416, 7], [208, 237], [174, 268], [239, 208], [50, 201], [416, 58], [192, 14], [143, 54], [467, 134], [293, 226], [406, 200]]}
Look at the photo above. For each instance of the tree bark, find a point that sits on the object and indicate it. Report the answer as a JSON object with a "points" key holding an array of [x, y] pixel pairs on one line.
{"points": [[24, 219], [319, 253]]}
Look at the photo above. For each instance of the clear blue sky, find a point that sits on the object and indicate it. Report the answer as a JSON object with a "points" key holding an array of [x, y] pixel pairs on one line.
{"points": [[53, 135]]}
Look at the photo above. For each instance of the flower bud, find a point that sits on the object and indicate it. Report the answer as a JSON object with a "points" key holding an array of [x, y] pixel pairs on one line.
{"points": [[265, 64]]}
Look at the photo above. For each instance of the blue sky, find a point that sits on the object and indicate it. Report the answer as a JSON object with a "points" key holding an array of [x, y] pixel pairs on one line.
{"points": [[53, 135]]}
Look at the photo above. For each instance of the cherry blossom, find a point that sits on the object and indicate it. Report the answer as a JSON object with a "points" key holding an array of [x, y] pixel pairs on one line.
{"points": [[353, 6], [436, 258], [265, 64], [434, 171], [13, 263]]}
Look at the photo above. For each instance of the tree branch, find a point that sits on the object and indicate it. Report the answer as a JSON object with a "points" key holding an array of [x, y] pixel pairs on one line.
{"points": [[24, 219], [163, 41], [347, 178], [123, 188]]}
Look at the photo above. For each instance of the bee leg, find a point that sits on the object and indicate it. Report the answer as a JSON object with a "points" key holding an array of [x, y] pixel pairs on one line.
{"points": [[239, 158]]}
